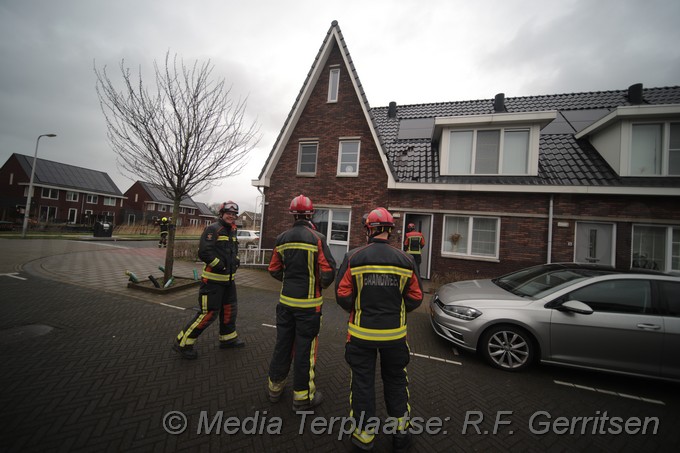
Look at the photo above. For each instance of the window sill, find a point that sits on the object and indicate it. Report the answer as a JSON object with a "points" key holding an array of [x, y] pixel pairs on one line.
{"points": [[488, 259]]}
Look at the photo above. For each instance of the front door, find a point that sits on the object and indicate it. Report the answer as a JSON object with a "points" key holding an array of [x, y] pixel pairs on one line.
{"points": [[423, 224], [594, 243]]}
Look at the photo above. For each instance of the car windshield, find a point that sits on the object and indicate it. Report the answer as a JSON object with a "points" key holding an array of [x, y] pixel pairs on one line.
{"points": [[540, 281]]}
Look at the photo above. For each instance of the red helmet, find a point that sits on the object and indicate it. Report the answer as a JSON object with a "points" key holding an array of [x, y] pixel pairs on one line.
{"points": [[229, 206], [411, 226], [379, 217], [301, 205]]}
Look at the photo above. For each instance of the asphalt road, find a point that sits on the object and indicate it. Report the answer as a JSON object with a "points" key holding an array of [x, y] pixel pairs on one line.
{"points": [[84, 369]]}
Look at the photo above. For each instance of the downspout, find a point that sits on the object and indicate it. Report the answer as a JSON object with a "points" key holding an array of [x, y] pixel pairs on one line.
{"points": [[259, 246], [550, 229]]}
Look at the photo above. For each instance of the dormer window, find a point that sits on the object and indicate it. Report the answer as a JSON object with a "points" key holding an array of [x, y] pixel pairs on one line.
{"points": [[655, 149], [497, 144], [333, 84]]}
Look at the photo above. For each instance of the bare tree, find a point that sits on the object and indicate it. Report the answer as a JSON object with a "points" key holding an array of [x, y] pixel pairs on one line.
{"points": [[182, 135]]}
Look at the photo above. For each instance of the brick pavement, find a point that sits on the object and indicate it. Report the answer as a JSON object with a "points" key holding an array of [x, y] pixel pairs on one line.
{"points": [[104, 377]]}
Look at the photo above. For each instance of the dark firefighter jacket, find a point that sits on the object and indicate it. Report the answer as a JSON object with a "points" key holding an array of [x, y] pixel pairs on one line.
{"points": [[218, 249], [414, 242], [303, 255], [378, 284]]}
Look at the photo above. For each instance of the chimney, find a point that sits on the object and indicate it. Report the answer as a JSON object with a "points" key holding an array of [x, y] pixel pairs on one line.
{"points": [[499, 103], [392, 110], [635, 94]]}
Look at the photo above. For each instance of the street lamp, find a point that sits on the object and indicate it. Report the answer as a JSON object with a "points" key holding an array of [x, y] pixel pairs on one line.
{"points": [[30, 184]]}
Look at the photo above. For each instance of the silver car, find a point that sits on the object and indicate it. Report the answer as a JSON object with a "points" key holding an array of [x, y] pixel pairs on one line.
{"points": [[567, 314]]}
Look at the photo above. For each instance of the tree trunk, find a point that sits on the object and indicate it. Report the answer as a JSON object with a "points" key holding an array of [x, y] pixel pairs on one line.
{"points": [[170, 251]]}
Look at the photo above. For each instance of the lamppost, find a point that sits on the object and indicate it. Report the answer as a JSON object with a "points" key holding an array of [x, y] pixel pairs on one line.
{"points": [[30, 184]]}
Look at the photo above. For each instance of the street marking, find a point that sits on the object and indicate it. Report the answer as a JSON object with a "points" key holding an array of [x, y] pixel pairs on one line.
{"points": [[609, 392], [269, 325], [103, 244], [172, 306], [13, 275], [438, 359]]}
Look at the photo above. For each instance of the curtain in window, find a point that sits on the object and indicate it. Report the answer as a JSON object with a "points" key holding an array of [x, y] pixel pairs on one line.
{"points": [[649, 247], [460, 152], [488, 149], [645, 158], [515, 152]]}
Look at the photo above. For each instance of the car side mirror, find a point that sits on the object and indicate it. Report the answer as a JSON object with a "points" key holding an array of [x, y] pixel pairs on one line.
{"points": [[575, 306]]}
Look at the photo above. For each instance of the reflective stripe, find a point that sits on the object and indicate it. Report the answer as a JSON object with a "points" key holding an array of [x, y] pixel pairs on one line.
{"points": [[300, 395], [376, 334], [229, 336], [381, 270], [217, 277], [365, 437], [300, 303], [214, 262], [226, 238], [296, 246]]}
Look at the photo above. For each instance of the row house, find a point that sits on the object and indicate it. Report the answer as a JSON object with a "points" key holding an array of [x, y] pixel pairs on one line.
{"points": [[494, 184], [64, 194], [148, 202]]}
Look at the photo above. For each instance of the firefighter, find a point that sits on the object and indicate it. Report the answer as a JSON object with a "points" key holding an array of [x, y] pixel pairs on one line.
{"points": [[303, 262], [378, 284], [414, 243], [218, 249], [163, 241]]}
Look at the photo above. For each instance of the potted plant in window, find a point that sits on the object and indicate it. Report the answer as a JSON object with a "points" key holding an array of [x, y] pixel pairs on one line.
{"points": [[454, 238]]}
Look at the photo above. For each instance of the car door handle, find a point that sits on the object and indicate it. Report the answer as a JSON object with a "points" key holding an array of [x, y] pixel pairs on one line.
{"points": [[648, 326]]}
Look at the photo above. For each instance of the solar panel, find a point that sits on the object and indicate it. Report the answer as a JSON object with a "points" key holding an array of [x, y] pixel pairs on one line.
{"points": [[558, 126], [415, 128], [580, 119]]}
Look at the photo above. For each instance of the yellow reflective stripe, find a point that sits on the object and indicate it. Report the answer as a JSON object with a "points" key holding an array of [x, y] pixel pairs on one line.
{"points": [[300, 303], [217, 277], [414, 252], [226, 238], [300, 395], [312, 362], [357, 304], [376, 334], [214, 262], [229, 336], [365, 437], [296, 246], [381, 270], [312, 274], [185, 340]]}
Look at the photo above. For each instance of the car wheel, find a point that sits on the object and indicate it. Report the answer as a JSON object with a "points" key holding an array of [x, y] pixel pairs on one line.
{"points": [[508, 348]]}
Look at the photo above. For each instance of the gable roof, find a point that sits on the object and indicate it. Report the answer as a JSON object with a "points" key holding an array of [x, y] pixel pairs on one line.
{"points": [[333, 36], [64, 176], [564, 159], [158, 196], [203, 210]]}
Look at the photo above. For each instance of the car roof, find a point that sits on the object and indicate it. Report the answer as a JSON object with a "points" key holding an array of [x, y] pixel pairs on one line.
{"points": [[604, 269]]}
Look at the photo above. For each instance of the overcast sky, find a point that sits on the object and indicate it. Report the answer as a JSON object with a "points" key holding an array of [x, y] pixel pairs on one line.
{"points": [[406, 51]]}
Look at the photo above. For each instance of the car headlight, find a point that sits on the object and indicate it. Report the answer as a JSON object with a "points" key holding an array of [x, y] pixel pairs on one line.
{"points": [[458, 311]]}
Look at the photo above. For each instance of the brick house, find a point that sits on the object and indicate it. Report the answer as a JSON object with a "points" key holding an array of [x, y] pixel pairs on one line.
{"points": [[147, 202], [494, 184], [62, 194]]}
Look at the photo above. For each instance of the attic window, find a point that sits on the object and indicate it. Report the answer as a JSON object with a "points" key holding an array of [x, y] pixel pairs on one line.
{"points": [[333, 85], [487, 151], [655, 149]]}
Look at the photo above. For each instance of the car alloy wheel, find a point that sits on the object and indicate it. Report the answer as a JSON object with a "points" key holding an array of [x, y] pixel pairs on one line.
{"points": [[508, 348]]}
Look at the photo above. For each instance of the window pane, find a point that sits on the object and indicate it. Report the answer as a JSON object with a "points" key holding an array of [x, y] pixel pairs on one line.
{"points": [[460, 152], [308, 158], [674, 151], [333, 83], [484, 236], [649, 247], [349, 157], [670, 292], [340, 226], [456, 234], [486, 157], [320, 219], [645, 156], [675, 250], [515, 152], [620, 296]]}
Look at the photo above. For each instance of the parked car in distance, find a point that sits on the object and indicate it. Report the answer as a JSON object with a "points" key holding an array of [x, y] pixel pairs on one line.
{"points": [[578, 315], [248, 238]]}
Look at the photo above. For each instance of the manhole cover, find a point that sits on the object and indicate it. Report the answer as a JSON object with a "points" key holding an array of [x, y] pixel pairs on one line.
{"points": [[21, 333]]}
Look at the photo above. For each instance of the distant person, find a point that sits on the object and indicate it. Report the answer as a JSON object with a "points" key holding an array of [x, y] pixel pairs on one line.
{"points": [[378, 284], [218, 249], [414, 243], [303, 262], [163, 241]]}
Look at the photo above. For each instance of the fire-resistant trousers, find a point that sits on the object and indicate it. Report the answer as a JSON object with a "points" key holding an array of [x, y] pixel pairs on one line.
{"points": [[214, 299], [393, 361], [297, 331]]}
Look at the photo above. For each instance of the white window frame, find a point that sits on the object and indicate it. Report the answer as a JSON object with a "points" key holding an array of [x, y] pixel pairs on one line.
{"points": [[307, 144], [52, 194], [91, 199], [666, 150], [468, 237], [531, 167], [193, 222], [151, 207], [671, 250], [74, 216], [109, 201], [344, 141], [71, 196], [333, 84]]}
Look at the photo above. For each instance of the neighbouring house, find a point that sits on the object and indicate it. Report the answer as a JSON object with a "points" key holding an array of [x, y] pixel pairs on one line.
{"points": [[147, 203], [494, 184], [247, 220], [62, 193], [205, 215]]}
